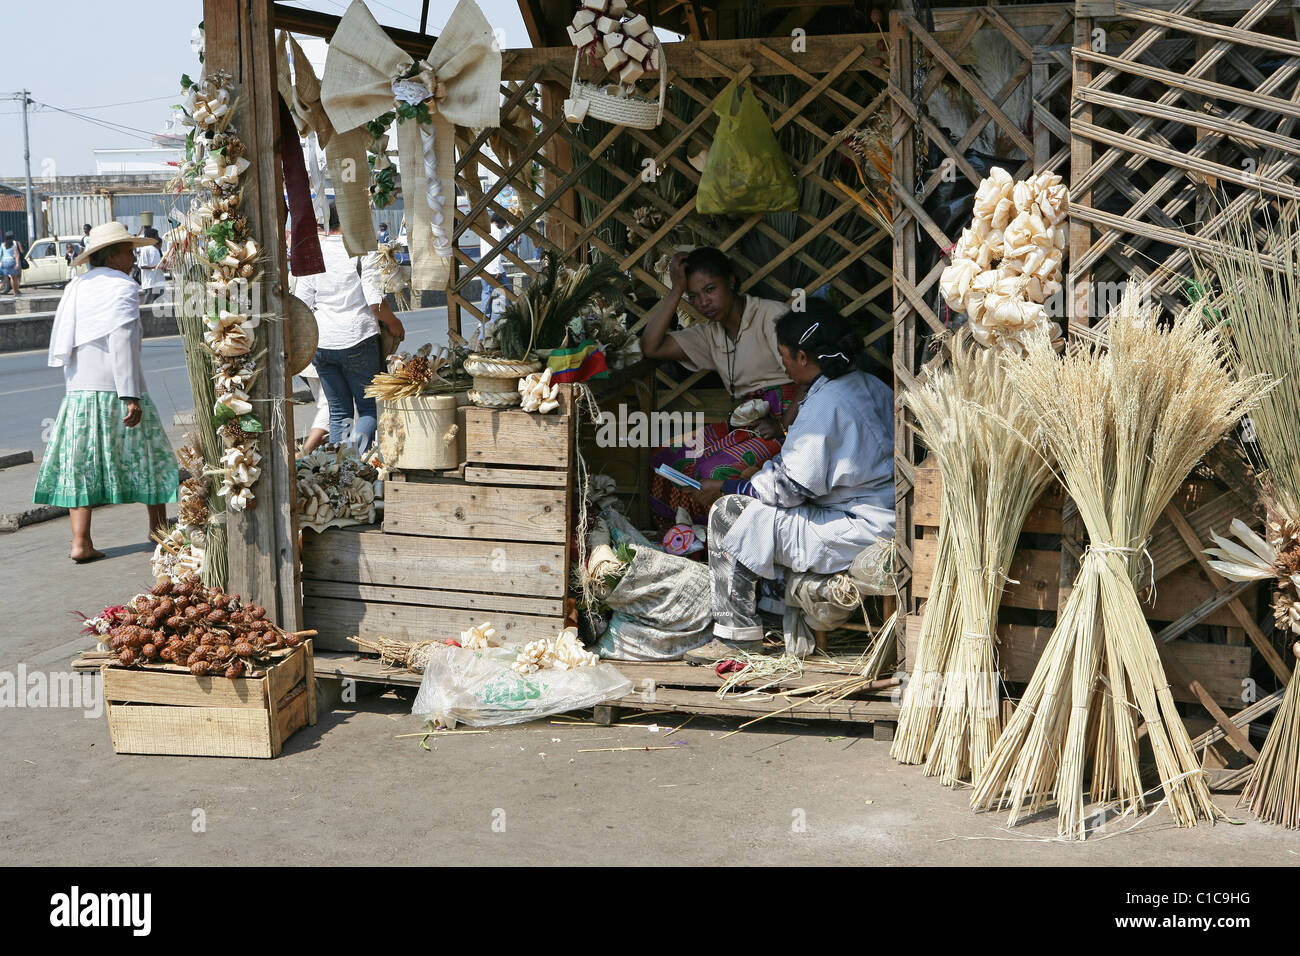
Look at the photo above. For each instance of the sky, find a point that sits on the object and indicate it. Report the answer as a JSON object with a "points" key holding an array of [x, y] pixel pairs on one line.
{"points": [[69, 66]]}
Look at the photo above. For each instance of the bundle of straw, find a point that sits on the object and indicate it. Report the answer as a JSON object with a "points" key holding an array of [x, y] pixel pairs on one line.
{"points": [[979, 432], [1125, 426], [918, 717], [1258, 274]]}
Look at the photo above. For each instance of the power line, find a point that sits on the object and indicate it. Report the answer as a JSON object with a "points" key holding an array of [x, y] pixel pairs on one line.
{"points": [[111, 127], [152, 99], [107, 124]]}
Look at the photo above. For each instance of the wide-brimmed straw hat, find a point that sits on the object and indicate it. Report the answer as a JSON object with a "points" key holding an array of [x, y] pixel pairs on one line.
{"points": [[301, 335], [108, 234]]}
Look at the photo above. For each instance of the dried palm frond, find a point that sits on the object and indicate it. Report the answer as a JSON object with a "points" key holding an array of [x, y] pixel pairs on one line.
{"points": [[538, 318], [1256, 273], [1125, 425]]}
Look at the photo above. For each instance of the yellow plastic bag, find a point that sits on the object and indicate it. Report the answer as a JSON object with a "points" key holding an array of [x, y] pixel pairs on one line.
{"points": [[746, 171]]}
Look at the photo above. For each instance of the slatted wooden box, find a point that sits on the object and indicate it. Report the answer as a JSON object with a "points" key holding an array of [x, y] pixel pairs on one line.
{"points": [[164, 709], [1182, 587], [488, 542]]}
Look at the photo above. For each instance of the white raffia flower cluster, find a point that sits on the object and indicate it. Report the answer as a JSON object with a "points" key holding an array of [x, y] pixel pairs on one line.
{"points": [[1007, 263], [562, 652], [216, 232], [336, 488], [176, 557], [479, 638], [539, 395]]}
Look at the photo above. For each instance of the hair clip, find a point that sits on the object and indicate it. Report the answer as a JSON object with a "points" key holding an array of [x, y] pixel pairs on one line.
{"points": [[833, 355], [811, 329]]}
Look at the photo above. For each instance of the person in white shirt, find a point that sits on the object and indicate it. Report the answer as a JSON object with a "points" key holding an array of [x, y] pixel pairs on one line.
{"points": [[349, 308], [153, 282], [96, 454]]}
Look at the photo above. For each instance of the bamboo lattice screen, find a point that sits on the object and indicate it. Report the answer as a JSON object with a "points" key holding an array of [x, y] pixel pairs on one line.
{"points": [[629, 193]]}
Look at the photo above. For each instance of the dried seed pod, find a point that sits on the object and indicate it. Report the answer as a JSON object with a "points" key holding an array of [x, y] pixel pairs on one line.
{"points": [[164, 607], [126, 657], [203, 609], [127, 619], [166, 654], [200, 668], [217, 616], [150, 651], [208, 640], [198, 655], [183, 590], [235, 670], [221, 653], [235, 600], [191, 613], [117, 643], [162, 587], [224, 639], [244, 649], [257, 612], [293, 640], [176, 622]]}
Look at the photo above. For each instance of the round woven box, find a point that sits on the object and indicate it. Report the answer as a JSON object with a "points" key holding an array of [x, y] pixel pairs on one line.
{"points": [[496, 380]]}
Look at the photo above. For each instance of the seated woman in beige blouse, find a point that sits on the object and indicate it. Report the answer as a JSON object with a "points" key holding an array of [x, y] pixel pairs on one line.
{"points": [[738, 341]]}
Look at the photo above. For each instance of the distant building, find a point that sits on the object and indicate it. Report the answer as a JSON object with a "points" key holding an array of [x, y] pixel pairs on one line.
{"points": [[166, 152]]}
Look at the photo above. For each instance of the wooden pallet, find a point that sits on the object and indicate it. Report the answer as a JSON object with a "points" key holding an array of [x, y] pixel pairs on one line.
{"points": [[670, 686], [164, 709], [486, 542]]}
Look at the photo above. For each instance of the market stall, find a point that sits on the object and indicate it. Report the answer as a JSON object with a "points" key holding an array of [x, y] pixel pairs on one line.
{"points": [[1054, 606]]}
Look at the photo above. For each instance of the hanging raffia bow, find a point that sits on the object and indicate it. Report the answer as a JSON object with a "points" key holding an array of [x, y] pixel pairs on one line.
{"points": [[459, 83], [345, 153]]}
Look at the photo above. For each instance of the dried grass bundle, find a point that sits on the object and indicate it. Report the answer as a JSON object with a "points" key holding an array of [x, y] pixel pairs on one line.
{"points": [[1125, 425], [979, 432], [918, 718], [1257, 273], [402, 655]]}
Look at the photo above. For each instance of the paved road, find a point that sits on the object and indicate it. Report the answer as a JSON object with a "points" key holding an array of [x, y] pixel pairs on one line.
{"points": [[32, 391]]}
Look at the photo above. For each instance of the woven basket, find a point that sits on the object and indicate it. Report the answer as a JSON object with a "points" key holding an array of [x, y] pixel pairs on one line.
{"points": [[618, 108], [496, 380], [419, 432]]}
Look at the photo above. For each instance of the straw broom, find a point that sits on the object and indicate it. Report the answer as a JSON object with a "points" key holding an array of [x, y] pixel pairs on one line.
{"points": [[979, 431], [1259, 276], [1125, 426]]}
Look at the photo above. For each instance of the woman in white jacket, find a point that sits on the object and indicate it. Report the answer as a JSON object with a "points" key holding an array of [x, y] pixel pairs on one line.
{"points": [[108, 445], [815, 506]]}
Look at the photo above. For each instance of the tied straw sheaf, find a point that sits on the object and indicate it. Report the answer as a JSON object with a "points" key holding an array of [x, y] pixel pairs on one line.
{"points": [[980, 433], [1256, 272], [1125, 425], [457, 84]]}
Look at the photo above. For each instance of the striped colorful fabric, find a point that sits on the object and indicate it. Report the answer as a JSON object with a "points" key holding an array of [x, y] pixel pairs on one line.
{"points": [[579, 364]]}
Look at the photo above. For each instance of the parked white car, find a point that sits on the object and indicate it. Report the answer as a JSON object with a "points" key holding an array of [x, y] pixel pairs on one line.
{"points": [[49, 263]]}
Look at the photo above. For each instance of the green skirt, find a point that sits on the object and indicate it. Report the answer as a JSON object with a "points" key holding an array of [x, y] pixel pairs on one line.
{"points": [[93, 459]]}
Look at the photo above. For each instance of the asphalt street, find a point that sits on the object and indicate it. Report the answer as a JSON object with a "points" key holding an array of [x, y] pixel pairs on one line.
{"points": [[32, 390]]}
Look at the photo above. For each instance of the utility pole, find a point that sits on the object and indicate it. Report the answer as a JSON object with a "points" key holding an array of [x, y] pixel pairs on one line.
{"points": [[27, 162]]}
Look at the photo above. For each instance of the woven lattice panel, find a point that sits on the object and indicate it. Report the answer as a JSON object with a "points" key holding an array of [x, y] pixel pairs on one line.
{"points": [[1181, 119], [979, 86], [630, 193]]}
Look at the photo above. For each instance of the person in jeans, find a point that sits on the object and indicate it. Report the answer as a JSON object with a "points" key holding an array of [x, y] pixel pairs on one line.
{"points": [[349, 308], [496, 265]]}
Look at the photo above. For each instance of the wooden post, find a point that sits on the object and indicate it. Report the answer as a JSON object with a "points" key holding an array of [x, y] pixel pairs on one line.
{"points": [[900, 70], [262, 541]]}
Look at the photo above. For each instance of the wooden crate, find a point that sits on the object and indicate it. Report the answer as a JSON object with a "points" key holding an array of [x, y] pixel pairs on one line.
{"points": [[167, 710], [487, 542]]}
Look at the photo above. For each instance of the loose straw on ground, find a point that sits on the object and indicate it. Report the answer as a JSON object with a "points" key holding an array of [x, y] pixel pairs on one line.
{"points": [[1125, 426]]}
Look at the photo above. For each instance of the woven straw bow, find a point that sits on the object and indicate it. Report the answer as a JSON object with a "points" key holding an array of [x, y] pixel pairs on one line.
{"points": [[459, 82]]}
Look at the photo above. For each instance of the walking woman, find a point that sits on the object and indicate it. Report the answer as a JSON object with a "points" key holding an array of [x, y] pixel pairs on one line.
{"points": [[108, 444], [11, 263]]}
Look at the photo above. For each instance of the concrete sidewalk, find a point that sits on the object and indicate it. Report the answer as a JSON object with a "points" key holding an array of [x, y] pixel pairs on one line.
{"points": [[351, 791]]}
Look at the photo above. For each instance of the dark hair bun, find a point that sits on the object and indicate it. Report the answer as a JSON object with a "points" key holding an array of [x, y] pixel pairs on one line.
{"points": [[820, 331]]}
